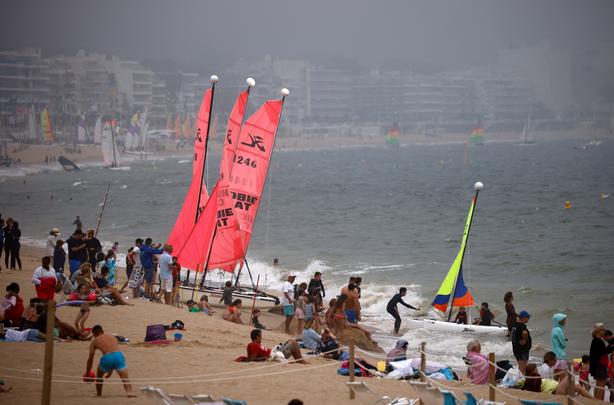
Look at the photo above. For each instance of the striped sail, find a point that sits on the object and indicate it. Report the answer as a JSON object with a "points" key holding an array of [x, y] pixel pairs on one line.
{"points": [[453, 285]]}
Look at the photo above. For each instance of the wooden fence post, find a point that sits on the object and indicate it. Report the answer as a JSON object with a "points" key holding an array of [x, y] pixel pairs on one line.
{"points": [[423, 361], [571, 388], [492, 372], [48, 367], [351, 369]]}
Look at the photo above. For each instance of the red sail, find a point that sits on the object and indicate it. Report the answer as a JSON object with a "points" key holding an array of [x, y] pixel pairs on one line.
{"points": [[251, 164], [187, 215], [227, 248], [195, 250]]}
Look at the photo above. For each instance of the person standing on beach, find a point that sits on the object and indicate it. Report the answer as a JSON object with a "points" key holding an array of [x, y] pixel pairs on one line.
{"points": [[521, 340], [352, 306], [78, 224], [77, 251], [8, 241], [147, 259], [287, 300], [598, 359], [166, 274], [315, 284], [136, 277], [512, 316], [16, 247], [52, 240], [558, 343], [112, 359], [1, 239], [392, 308], [227, 294], [93, 248], [45, 279]]}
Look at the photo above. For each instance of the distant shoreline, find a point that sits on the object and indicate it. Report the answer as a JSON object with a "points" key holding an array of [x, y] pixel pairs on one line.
{"points": [[30, 159]]}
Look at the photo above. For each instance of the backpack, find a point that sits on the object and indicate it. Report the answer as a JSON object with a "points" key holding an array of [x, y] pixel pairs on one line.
{"points": [[155, 332]]}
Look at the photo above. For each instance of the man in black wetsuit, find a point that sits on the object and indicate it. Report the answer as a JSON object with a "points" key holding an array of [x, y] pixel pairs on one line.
{"points": [[392, 307]]}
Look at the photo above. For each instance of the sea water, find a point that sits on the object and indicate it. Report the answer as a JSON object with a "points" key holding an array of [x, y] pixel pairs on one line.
{"points": [[393, 216]]}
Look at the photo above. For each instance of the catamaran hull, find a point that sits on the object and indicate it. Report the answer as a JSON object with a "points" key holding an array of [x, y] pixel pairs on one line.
{"points": [[441, 326]]}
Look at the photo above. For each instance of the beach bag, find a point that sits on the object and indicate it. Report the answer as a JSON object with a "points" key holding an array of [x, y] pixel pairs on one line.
{"points": [[155, 332], [136, 278]]}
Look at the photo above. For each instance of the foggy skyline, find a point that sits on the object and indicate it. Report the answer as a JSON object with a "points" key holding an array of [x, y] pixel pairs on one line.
{"points": [[207, 35]]}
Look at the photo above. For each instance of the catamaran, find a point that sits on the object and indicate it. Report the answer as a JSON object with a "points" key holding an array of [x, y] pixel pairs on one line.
{"points": [[453, 292], [527, 135], [108, 146]]}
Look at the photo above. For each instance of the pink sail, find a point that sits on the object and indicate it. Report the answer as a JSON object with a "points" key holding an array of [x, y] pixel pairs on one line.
{"points": [[187, 216], [227, 247], [195, 250]]}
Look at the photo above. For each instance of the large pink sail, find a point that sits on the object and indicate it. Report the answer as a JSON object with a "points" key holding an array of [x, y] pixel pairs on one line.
{"points": [[195, 250], [187, 216], [250, 166], [227, 248]]}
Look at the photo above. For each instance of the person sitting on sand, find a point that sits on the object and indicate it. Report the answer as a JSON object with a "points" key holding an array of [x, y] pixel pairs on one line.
{"points": [[44, 280], [83, 293], [546, 369], [256, 351], [65, 331], [329, 315], [255, 320], [83, 275], [233, 312], [26, 335], [329, 346], [340, 321], [534, 382], [204, 306], [478, 365], [192, 307], [11, 308], [102, 286], [30, 315], [310, 337], [399, 352], [112, 359]]}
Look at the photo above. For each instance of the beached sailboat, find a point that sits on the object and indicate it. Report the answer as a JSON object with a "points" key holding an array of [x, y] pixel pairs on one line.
{"points": [[108, 146], [454, 293]]}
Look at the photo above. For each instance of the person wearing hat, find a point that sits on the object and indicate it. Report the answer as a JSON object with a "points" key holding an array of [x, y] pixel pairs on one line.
{"points": [[399, 352], [521, 340], [52, 241], [598, 359], [287, 300]]}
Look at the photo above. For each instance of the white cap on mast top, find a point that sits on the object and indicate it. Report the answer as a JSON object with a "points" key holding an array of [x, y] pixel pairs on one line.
{"points": [[478, 186], [250, 82], [285, 92], [214, 79]]}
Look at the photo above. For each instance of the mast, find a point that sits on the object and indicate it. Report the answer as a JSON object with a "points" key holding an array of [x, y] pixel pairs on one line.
{"points": [[113, 141], [477, 187], [250, 83], [284, 93]]}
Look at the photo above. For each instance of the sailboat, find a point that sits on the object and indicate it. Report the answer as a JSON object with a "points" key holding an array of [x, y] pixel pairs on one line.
{"points": [[98, 131], [33, 129], [527, 136], [108, 146], [454, 293], [392, 139]]}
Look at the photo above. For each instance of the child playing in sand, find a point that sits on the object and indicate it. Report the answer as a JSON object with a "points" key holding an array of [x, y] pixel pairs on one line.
{"points": [[255, 321], [83, 293], [233, 312], [192, 306], [204, 306]]}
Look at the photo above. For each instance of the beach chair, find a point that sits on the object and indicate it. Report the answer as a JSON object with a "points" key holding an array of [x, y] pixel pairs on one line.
{"points": [[67, 286], [471, 399], [156, 393], [359, 387], [449, 398], [228, 401], [534, 402]]}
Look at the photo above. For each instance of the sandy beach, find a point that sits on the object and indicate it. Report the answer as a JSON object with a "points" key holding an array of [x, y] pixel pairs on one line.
{"points": [[202, 363]]}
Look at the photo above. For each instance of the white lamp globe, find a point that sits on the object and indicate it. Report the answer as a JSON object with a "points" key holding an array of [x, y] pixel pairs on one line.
{"points": [[214, 79], [478, 186], [285, 92], [250, 82]]}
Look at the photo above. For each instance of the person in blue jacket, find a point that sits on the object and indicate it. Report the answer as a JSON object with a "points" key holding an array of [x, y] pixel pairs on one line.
{"points": [[147, 261], [558, 343]]}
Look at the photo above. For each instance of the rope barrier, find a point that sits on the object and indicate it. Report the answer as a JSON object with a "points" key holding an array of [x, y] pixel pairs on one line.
{"points": [[178, 379], [464, 387], [380, 356], [152, 382]]}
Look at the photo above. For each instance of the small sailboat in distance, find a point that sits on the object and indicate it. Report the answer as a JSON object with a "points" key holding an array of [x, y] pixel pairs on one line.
{"points": [[453, 292], [527, 134]]}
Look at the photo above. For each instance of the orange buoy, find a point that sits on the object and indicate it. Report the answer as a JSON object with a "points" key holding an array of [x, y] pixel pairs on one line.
{"points": [[567, 204]]}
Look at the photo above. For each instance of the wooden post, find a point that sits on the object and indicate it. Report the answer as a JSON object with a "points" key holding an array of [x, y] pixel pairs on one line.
{"points": [[48, 368], [352, 395], [251, 314], [492, 380], [423, 361], [571, 388]]}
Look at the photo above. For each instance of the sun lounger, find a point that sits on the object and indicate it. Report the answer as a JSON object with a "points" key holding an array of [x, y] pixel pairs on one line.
{"points": [[175, 399], [228, 401], [449, 398], [471, 399], [359, 387]]}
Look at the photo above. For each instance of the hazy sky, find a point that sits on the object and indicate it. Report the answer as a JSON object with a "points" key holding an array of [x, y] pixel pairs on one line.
{"points": [[204, 34]]}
